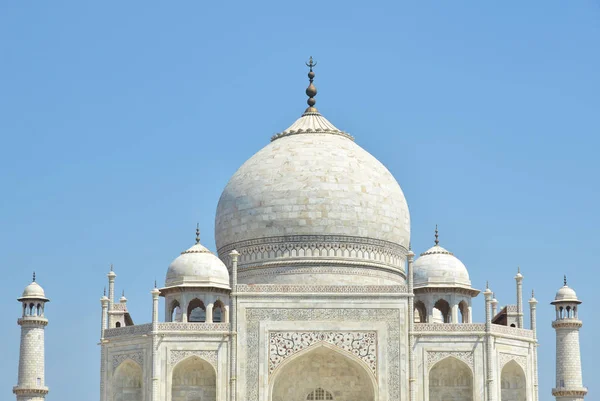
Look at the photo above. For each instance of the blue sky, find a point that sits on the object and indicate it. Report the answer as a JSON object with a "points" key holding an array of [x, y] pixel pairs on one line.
{"points": [[121, 123]]}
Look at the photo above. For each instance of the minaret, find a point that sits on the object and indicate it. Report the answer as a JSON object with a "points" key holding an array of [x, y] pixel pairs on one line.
{"points": [[533, 327], [519, 280], [489, 350], [31, 386], [569, 386], [111, 295]]}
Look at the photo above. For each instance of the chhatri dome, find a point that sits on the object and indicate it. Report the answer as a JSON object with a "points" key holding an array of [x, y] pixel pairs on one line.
{"points": [[438, 267], [197, 267], [34, 291], [317, 201], [566, 294]]}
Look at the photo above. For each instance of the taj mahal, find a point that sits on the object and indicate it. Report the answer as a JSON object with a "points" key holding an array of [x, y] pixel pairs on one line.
{"points": [[314, 293]]}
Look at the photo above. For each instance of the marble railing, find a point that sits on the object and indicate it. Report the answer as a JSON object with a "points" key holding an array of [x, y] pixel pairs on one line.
{"points": [[449, 327], [146, 329], [136, 330], [512, 331]]}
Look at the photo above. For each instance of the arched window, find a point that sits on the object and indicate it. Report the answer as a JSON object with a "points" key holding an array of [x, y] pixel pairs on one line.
{"points": [[512, 382], [196, 311], [25, 311], [450, 379], [175, 313], [118, 324], [420, 312], [568, 312], [463, 307], [561, 312], [39, 310], [31, 310], [194, 379], [319, 394], [441, 312], [127, 382], [218, 312]]}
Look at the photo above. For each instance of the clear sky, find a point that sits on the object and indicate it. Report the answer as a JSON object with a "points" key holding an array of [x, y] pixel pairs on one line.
{"points": [[121, 123]]}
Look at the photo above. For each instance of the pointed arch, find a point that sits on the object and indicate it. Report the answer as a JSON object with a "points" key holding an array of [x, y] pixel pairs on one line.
{"points": [[218, 311], [193, 379], [463, 307], [127, 382], [323, 366], [452, 378], [175, 311], [196, 311], [513, 382], [420, 312], [441, 311]]}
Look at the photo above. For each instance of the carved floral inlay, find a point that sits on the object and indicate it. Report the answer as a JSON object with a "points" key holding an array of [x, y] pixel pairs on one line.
{"points": [[137, 357], [176, 356], [362, 344], [503, 359], [434, 357]]}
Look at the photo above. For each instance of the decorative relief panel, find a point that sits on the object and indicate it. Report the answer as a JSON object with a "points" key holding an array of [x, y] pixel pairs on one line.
{"points": [[389, 316], [176, 356], [363, 344], [181, 326], [137, 357], [138, 329], [457, 328], [294, 288], [503, 359], [513, 331], [434, 357]]}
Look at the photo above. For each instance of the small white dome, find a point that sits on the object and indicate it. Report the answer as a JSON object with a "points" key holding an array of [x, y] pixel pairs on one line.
{"points": [[197, 267], [438, 267], [566, 294], [34, 291]]}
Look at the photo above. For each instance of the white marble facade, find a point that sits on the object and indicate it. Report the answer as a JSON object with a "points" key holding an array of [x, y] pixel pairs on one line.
{"points": [[316, 297]]}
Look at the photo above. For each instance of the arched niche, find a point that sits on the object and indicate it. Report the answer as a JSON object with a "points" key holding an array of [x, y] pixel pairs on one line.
{"points": [[322, 370], [194, 379], [196, 311], [127, 382], [420, 312], [441, 311], [463, 308], [450, 380], [513, 382]]}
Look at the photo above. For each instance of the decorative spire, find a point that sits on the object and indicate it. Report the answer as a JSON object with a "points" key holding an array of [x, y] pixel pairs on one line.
{"points": [[311, 91], [123, 294], [155, 284], [105, 291], [565, 280], [487, 284], [532, 294], [111, 267], [519, 269], [34, 277], [437, 240], [197, 233]]}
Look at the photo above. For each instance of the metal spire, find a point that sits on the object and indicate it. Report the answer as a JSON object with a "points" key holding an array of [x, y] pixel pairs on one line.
{"points": [[111, 267], [34, 277], [197, 233], [311, 91], [154, 283], [565, 280], [532, 294], [437, 240], [105, 291]]}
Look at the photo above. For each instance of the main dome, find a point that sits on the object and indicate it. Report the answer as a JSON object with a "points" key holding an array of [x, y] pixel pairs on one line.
{"points": [[314, 203]]}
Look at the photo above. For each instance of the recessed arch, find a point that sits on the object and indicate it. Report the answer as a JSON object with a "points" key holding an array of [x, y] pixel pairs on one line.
{"points": [[193, 379], [196, 311], [420, 312], [441, 311], [463, 307], [127, 382], [513, 382], [323, 366], [175, 311], [218, 311], [450, 379]]}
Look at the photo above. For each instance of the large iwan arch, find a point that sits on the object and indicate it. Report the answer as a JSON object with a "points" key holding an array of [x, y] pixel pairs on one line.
{"points": [[194, 379], [513, 383], [322, 373], [450, 380], [127, 382]]}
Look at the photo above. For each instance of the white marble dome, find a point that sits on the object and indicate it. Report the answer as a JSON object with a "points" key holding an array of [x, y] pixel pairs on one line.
{"points": [[33, 291], [566, 294], [438, 267], [313, 193], [197, 267]]}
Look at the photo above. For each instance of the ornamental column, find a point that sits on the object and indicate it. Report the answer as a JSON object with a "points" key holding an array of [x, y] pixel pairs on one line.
{"points": [[489, 346], [31, 381], [411, 328], [519, 280], [103, 326], [569, 386], [155, 293], [533, 326], [233, 337]]}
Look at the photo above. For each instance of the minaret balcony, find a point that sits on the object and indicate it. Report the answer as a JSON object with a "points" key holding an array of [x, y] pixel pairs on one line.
{"points": [[30, 390], [567, 323], [569, 392]]}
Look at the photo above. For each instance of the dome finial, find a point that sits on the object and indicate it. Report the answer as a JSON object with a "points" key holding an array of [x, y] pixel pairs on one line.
{"points": [[565, 280], [105, 291], [311, 91], [437, 240], [34, 277], [197, 233]]}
